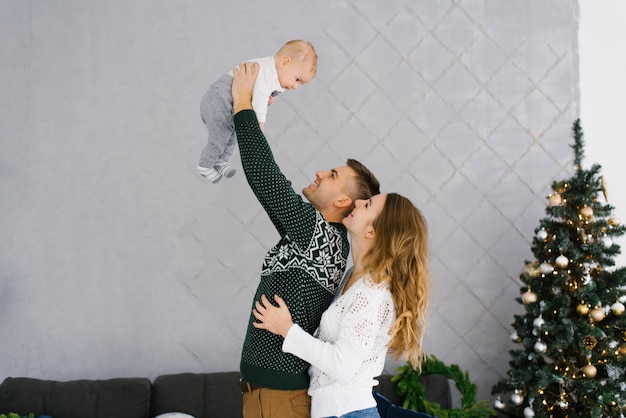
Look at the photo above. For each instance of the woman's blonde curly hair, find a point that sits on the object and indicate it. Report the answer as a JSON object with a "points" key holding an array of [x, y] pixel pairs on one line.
{"points": [[400, 255]]}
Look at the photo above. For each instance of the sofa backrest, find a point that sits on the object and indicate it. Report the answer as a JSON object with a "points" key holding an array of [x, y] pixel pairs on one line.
{"points": [[202, 395], [120, 398]]}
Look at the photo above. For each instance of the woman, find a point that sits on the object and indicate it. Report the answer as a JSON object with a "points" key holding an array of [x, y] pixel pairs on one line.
{"points": [[380, 307]]}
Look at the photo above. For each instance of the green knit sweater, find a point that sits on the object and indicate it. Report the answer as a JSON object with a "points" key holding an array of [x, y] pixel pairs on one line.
{"points": [[304, 268]]}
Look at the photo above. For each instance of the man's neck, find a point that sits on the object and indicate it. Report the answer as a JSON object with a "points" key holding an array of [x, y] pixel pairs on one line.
{"points": [[332, 216]]}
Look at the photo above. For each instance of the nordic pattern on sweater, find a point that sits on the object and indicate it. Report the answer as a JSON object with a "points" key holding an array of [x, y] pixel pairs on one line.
{"points": [[304, 268]]}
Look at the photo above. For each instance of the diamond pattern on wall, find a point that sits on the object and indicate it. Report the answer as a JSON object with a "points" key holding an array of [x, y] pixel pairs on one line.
{"points": [[465, 107]]}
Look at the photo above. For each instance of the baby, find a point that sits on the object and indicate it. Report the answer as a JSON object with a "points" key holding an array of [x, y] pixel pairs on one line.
{"points": [[294, 64]]}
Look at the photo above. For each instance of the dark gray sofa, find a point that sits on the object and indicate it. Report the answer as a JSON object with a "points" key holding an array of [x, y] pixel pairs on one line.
{"points": [[202, 395]]}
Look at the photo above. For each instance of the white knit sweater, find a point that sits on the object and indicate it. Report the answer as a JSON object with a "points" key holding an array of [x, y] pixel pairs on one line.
{"points": [[348, 350]]}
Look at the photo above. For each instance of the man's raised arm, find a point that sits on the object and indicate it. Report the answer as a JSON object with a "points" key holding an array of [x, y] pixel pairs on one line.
{"points": [[244, 78]]}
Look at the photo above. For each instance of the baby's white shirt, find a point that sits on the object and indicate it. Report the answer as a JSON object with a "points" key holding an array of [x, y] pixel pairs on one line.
{"points": [[265, 84]]}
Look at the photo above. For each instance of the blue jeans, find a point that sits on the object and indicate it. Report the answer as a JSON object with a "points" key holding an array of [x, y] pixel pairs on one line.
{"points": [[363, 413]]}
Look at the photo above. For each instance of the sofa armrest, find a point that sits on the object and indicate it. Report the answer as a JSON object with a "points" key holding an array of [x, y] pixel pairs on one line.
{"points": [[120, 398]]}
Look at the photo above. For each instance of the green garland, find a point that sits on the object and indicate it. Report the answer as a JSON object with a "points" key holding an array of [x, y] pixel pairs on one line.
{"points": [[410, 387], [14, 415]]}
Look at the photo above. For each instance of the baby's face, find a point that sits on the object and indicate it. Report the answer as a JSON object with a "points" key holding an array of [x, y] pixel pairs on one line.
{"points": [[292, 74]]}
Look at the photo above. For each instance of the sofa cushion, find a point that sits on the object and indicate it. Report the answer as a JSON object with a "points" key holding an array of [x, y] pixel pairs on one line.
{"points": [[120, 398], [202, 395]]}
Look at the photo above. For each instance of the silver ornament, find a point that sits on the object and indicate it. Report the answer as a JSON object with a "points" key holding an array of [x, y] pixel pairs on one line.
{"points": [[517, 398], [562, 261], [617, 308], [528, 412], [541, 347], [498, 404], [546, 268]]}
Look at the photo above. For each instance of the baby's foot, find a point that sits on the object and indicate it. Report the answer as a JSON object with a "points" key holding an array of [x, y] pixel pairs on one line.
{"points": [[224, 169], [210, 174]]}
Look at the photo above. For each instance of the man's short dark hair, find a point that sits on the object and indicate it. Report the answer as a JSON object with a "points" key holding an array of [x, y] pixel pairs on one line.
{"points": [[365, 184]]}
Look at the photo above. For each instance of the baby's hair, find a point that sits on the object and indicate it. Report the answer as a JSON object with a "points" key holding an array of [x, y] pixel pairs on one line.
{"points": [[301, 51]]}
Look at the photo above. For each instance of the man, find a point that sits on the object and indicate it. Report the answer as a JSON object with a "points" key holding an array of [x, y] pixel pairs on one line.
{"points": [[306, 265]]}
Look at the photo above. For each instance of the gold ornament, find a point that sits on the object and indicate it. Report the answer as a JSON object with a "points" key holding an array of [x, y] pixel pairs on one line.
{"points": [[597, 314], [622, 350], [586, 212], [583, 309], [529, 297], [532, 269], [555, 200], [614, 221], [590, 371]]}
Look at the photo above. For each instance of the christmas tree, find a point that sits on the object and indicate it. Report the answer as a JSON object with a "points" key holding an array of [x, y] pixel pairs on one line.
{"points": [[571, 360]]}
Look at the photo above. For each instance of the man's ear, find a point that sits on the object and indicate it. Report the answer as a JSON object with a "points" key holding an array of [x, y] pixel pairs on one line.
{"points": [[343, 201]]}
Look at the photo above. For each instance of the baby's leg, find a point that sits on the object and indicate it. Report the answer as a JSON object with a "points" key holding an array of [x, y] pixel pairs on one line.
{"points": [[217, 117], [219, 155], [230, 146]]}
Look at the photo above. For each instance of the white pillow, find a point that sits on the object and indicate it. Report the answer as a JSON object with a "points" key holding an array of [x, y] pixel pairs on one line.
{"points": [[174, 415]]}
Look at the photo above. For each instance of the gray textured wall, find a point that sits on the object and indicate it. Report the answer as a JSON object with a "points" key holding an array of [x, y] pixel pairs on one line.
{"points": [[116, 259]]}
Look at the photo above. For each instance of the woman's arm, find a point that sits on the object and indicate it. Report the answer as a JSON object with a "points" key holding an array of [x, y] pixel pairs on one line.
{"points": [[276, 320], [340, 359]]}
